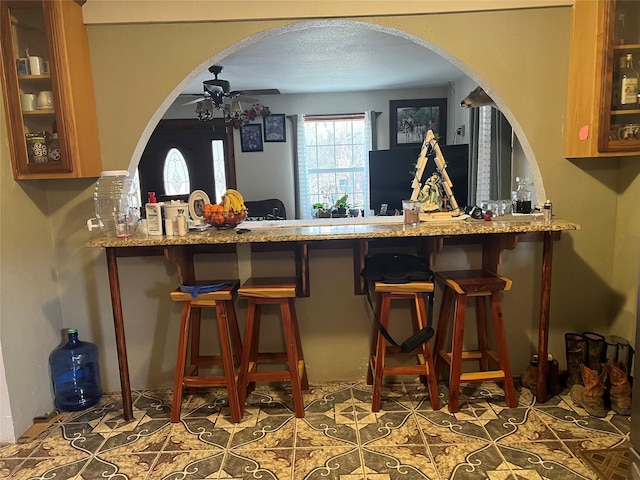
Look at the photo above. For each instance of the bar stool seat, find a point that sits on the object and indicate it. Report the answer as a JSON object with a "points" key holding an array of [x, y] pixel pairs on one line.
{"points": [[279, 291], [230, 345], [458, 286], [413, 292]]}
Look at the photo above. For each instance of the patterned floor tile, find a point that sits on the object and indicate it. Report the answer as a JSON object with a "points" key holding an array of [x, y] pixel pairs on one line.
{"points": [[57, 467], [513, 425], [399, 462], [267, 464], [112, 465], [466, 461], [441, 428], [339, 438], [197, 434], [552, 460], [272, 431], [392, 428], [331, 463], [190, 465], [324, 431]]}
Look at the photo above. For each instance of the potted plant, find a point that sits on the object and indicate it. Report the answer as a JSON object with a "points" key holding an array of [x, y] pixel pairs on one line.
{"points": [[340, 206], [320, 210]]}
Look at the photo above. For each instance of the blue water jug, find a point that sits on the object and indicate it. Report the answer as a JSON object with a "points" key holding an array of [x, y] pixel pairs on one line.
{"points": [[75, 373]]}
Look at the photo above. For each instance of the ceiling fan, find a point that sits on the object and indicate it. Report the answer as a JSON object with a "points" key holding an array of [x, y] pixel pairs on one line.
{"points": [[218, 92]]}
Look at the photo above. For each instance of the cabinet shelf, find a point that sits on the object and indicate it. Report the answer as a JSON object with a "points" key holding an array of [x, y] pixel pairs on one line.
{"points": [[626, 112], [634, 46], [53, 31], [47, 111], [34, 77]]}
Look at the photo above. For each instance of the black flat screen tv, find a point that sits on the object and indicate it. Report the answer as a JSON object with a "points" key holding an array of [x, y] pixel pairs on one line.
{"points": [[391, 173]]}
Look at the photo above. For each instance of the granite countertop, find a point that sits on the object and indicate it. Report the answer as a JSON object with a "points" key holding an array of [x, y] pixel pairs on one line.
{"points": [[338, 229]]}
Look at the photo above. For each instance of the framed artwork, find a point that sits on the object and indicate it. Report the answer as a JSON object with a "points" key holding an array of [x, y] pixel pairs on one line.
{"points": [[409, 121], [251, 137], [274, 128]]}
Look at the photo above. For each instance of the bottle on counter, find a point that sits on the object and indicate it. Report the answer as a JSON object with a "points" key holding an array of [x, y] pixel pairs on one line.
{"points": [[183, 224], [523, 196], [628, 82], [547, 211], [153, 210], [75, 373]]}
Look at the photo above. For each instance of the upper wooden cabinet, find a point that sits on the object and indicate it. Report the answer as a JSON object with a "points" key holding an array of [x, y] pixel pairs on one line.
{"points": [[603, 33], [48, 90]]}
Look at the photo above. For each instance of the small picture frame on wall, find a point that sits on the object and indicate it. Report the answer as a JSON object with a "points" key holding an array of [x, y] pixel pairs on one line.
{"points": [[251, 137], [409, 120], [274, 128]]}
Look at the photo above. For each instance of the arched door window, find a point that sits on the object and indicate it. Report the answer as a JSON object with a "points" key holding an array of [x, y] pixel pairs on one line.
{"points": [[176, 174]]}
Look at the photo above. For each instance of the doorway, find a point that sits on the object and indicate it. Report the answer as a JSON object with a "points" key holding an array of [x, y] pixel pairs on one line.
{"points": [[199, 145]]}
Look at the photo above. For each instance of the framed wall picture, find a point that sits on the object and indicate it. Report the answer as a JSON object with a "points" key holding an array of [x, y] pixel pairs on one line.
{"points": [[251, 137], [274, 128], [409, 121]]}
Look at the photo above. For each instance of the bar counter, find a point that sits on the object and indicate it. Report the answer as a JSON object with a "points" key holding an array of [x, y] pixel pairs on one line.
{"points": [[429, 237], [339, 229]]}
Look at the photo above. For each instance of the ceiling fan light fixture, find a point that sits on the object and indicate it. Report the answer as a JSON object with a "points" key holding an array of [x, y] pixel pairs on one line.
{"points": [[235, 107]]}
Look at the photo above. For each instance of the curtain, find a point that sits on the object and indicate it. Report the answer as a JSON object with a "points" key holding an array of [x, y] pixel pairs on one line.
{"points": [[474, 151], [490, 151], [501, 143], [300, 167], [370, 143]]}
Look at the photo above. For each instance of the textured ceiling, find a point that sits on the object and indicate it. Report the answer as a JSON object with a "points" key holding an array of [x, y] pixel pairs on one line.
{"points": [[334, 58]]}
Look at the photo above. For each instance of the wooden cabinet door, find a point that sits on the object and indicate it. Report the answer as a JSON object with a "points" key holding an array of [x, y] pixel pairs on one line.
{"points": [[593, 123], [44, 52]]}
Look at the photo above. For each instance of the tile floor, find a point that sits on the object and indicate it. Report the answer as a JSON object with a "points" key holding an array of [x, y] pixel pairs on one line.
{"points": [[339, 438]]}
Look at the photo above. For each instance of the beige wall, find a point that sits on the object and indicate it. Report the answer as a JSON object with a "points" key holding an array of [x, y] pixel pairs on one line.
{"points": [[138, 69], [511, 55]]}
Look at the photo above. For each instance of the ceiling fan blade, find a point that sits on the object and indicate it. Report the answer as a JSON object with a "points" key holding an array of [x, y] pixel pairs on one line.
{"points": [[199, 99], [263, 91], [245, 99]]}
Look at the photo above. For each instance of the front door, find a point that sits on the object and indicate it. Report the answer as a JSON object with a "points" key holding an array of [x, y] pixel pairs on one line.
{"points": [[200, 144]]}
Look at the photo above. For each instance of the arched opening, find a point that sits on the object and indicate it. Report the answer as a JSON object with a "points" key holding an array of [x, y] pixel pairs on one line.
{"points": [[277, 38]]}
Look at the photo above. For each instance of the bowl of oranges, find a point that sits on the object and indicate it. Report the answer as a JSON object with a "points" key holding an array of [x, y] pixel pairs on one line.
{"points": [[227, 214], [217, 216]]}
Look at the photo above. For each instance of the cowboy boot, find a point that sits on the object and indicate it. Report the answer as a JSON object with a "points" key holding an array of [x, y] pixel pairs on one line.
{"points": [[529, 378], [576, 349], [590, 396], [619, 390], [596, 348], [625, 353], [612, 349]]}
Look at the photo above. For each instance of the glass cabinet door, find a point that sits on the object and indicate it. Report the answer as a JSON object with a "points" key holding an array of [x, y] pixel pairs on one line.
{"points": [[621, 113], [32, 92]]}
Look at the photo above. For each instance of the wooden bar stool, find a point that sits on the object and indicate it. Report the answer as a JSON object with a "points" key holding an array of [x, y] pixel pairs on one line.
{"points": [[279, 291], [458, 286], [230, 345], [414, 292]]}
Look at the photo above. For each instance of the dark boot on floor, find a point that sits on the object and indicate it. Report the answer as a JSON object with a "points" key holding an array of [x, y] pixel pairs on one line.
{"points": [[596, 348], [576, 349], [624, 353], [619, 389], [554, 386], [590, 396]]}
